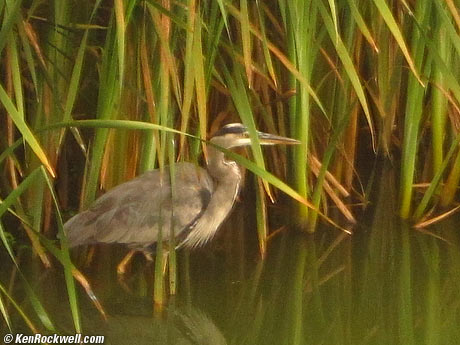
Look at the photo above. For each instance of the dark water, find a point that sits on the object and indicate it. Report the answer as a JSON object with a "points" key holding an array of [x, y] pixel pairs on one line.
{"points": [[385, 284]]}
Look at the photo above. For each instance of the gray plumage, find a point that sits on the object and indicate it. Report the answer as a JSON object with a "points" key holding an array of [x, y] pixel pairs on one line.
{"points": [[133, 212], [126, 214]]}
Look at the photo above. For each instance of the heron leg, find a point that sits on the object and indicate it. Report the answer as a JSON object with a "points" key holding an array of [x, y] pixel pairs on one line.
{"points": [[89, 291], [121, 268], [164, 256], [148, 256]]}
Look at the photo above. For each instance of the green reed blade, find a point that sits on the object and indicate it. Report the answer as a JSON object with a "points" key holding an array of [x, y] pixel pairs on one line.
{"points": [[10, 19], [349, 69], [413, 113], [66, 261], [28, 135], [397, 34]]}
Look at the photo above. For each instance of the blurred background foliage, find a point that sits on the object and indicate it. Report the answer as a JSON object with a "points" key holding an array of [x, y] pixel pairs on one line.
{"points": [[356, 81], [352, 80]]}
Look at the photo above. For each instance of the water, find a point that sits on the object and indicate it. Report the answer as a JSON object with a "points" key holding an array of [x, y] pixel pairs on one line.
{"points": [[385, 284]]}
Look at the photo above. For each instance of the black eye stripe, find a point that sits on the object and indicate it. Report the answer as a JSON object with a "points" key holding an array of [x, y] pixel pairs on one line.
{"points": [[234, 128]]}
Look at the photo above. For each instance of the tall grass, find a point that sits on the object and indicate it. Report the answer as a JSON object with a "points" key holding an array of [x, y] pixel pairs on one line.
{"points": [[352, 80]]}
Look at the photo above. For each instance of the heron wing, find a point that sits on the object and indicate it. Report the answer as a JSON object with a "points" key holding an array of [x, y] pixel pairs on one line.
{"points": [[135, 212]]}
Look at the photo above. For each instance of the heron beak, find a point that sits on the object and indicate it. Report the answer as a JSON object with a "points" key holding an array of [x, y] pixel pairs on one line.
{"points": [[271, 139]]}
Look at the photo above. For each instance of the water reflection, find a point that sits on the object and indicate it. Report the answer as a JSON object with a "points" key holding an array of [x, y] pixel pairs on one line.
{"points": [[386, 284], [176, 327]]}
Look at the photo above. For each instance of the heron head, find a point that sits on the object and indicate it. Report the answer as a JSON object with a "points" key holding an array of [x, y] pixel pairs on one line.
{"points": [[237, 135]]}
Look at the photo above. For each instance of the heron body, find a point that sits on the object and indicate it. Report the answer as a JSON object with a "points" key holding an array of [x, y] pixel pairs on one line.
{"points": [[134, 212]]}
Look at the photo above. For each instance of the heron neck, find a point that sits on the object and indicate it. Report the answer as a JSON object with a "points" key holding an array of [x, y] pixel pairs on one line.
{"points": [[227, 177], [220, 169]]}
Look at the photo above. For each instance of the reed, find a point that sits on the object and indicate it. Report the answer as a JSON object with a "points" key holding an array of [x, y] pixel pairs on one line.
{"points": [[108, 84]]}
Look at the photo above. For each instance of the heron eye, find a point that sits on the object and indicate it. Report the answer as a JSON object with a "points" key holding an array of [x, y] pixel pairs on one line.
{"points": [[233, 128]]}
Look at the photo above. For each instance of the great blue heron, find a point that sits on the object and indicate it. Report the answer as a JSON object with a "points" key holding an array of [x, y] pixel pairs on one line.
{"points": [[133, 212]]}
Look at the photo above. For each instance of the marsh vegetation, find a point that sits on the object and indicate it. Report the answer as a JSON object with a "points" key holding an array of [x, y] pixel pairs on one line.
{"points": [[93, 93]]}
